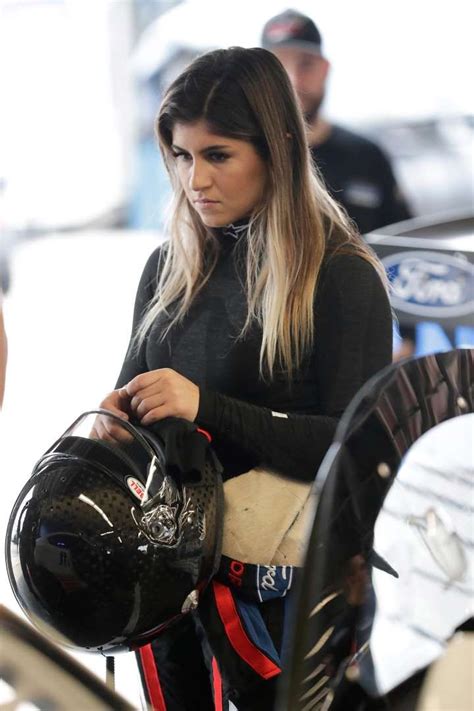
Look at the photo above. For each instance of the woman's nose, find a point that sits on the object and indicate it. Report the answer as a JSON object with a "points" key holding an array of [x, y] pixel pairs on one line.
{"points": [[200, 177]]}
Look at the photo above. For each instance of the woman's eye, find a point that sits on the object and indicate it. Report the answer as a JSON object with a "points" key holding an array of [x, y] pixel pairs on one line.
{"points": [[218, 157], [181, 156]]}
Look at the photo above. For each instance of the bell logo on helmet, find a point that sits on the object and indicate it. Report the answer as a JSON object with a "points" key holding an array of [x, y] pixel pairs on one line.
{"points": [[136, 488]]}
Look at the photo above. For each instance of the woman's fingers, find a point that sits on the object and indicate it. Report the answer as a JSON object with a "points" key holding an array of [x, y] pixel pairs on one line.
{"points": [[163, 391], [146, 380], [107, 428], [148, 403], [117, 401], [152, 390], [99, 431], [157, 413]]}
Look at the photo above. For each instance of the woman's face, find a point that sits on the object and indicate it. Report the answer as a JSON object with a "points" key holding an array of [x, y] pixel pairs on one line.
{"points": [[223, 178]]}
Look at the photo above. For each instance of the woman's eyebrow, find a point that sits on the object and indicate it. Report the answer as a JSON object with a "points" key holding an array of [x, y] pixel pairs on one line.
{"points": [[216, 147]]}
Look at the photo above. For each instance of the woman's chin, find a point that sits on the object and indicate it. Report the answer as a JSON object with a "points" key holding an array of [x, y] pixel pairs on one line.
{"points": [[214, 220]]}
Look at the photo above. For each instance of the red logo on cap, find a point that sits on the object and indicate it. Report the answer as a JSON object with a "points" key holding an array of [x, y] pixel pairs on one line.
{"points": [[284, 30]]}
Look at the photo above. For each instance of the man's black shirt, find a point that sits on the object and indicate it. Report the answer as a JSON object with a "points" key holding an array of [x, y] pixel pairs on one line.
{"points": [[358, 175]]}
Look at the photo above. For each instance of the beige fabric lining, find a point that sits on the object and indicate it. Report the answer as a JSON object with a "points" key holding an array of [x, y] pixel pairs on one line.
{"points": [[267, 518]]}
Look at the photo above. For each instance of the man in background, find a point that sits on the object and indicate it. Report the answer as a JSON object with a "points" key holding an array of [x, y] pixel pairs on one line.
{"points": [[356, 171]]}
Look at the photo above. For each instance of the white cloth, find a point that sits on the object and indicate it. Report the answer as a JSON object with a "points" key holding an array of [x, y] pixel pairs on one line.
{"points": [[267, 518]]}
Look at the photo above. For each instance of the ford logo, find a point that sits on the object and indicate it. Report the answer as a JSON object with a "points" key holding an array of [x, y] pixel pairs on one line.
{"points": [[431, 284]]}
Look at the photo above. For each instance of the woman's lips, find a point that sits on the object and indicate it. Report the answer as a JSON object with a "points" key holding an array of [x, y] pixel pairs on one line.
{"points": [[206, 203]]}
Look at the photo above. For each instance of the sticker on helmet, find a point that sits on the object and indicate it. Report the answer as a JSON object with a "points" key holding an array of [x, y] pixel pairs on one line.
{"points": [[136, 487]]}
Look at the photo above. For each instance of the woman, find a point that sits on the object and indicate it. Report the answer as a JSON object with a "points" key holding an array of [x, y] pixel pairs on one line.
{"points": [[259, 319]]}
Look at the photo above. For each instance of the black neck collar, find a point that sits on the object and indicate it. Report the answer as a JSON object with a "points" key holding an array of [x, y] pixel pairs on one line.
{"points": [[235, 230]]}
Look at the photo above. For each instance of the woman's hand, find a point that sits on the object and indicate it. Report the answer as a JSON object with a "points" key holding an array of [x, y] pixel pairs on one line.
{"points": [[107, 428], [162, 393]]}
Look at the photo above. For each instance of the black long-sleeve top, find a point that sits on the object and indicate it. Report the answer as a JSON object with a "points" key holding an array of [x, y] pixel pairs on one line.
{"points": [[287, 427]]}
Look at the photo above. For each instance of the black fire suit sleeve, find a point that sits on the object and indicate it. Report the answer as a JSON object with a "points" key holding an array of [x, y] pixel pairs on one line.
{"points": [[353, 341], [134, 362]]}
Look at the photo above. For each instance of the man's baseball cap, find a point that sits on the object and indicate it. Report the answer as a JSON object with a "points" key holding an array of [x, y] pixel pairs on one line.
{"points": [[291, 29]]}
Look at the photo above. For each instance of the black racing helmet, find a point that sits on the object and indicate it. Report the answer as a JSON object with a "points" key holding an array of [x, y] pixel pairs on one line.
{"points": [[117, 532]]}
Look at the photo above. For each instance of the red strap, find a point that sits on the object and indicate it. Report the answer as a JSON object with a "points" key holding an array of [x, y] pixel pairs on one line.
{"points": [[203, 432], [238, 638], [152, 679], [217, 685]]}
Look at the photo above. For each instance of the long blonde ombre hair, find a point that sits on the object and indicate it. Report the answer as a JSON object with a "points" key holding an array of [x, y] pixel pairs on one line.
{"points": [[246, 94]]}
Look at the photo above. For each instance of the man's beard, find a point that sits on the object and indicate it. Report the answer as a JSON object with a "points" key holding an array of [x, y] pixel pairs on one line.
{"points": [[311, 114]]}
